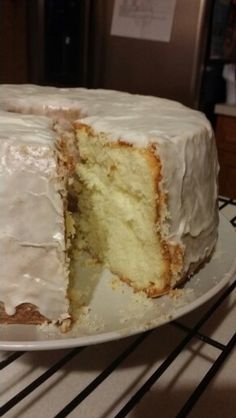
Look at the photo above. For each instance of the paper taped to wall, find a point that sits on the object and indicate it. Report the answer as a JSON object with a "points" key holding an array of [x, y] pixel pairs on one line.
{"points": [[143, 19]]}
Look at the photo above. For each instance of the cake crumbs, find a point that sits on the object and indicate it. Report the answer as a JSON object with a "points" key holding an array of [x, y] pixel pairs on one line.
{"points": [[141, 298], [90, 320], [176, 293], [116, 283], [218, 255], [137, 307]]}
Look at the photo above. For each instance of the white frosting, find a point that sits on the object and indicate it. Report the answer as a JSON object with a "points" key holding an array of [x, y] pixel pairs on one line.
{"points": [[183, 138], [32, 245]]}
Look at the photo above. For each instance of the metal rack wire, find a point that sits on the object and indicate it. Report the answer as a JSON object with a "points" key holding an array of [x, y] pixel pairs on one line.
{"points": [[189, 333]]}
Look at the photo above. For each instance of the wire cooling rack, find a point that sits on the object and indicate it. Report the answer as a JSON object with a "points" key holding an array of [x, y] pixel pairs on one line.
{"points": [[184, 368]]}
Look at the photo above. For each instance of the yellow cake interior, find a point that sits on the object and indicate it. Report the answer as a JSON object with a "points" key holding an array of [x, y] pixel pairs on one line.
{"points": [[117, 186]]}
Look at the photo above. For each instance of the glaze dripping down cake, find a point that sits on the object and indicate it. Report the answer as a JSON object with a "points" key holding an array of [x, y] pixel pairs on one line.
{"points": [[132, 179]]}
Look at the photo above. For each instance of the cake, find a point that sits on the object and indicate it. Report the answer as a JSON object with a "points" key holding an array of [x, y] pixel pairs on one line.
{"points": [[131, 179]]}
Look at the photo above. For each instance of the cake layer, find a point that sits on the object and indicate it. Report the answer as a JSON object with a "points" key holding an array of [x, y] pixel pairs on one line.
{"points": [[32, 229]]}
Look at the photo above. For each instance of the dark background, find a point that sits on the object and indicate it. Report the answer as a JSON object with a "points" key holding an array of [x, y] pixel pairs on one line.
{"points": [[68, 45]]}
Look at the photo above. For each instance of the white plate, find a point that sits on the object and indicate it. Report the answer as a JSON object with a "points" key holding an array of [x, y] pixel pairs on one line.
{"points": [[113, 311]]}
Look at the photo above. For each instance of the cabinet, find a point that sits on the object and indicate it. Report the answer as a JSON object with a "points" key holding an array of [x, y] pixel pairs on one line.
{"points": [[226, 145]]}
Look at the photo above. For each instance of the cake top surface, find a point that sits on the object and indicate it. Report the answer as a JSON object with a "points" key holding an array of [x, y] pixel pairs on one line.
{"points": [[132, 117], [25, 128]]}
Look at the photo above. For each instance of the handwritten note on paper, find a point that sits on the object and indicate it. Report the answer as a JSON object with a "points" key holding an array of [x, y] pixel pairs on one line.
{"points": [[143, 19]]}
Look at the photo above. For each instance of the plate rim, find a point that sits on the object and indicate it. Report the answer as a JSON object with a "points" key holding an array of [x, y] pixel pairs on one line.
{"points": [[103, 337]]}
